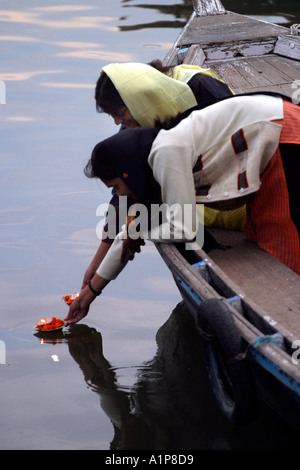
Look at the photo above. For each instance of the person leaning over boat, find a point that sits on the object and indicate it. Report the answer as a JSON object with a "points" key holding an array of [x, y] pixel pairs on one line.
{"points": [[136, 95], [245, 148]]}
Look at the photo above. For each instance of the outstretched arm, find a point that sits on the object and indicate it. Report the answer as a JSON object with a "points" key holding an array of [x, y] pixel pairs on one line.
{"points": [[108, 270], [109, 232]]}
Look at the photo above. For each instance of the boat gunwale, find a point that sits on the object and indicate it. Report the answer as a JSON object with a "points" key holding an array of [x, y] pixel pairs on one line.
{"points": [[250, 333], [263, 355]]}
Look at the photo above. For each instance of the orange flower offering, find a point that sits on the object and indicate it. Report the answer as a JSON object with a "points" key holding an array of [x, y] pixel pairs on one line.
{"points": [[49, 324], [69, 298]]}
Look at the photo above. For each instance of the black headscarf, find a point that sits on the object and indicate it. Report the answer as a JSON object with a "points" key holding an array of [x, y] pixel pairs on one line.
{"points": [[125, 155]]}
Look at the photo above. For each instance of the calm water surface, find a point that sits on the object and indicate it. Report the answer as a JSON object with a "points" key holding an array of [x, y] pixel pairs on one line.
{"points": [[130, 376]]}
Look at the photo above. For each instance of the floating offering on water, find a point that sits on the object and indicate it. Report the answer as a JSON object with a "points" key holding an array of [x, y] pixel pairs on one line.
{"points": [[69, 298], [49, 324]]}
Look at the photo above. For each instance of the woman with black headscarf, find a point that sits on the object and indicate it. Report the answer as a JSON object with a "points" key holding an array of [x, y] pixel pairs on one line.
{"points": [[243, 148]]}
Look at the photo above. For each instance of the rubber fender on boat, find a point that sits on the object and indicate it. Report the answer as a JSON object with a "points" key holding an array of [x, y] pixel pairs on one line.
{"points": [[226, 363]]}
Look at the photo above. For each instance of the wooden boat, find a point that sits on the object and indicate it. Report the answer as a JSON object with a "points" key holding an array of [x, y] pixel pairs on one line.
{"points": [[245, 303]]}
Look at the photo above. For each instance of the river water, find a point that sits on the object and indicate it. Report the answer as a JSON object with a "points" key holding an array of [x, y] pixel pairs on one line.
{"points": [[130, 375]]}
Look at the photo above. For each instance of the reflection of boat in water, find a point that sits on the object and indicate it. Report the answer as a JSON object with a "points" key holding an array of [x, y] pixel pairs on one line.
{"points": [[179, 11], [170, 405], [246, 304], [182, 12]]}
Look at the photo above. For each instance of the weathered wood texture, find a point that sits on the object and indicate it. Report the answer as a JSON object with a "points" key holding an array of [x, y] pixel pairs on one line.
{"points": [[266, 73], [228, 28], [272, 286], [208, 7], [249, 55], [288, 46]]}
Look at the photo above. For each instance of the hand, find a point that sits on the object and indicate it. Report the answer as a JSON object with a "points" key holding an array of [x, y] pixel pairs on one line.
{"points": [[130, 247], [80, 306]]}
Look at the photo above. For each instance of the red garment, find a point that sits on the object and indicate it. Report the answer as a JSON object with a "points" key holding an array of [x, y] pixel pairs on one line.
{"points": [[290, 133], [269, 222]]}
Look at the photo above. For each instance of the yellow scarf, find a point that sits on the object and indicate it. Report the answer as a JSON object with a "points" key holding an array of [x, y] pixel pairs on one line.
{"points": [[185, 72], [150, 94]]}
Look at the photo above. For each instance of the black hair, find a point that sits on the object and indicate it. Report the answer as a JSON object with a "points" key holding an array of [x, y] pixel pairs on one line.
{"points": [[99, 165], [108, 99], [125, 155]]}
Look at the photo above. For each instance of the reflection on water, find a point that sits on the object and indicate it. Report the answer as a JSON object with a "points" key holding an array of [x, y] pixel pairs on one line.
{"points": [[151, 395], [170, 405], [276, 11], [180, 11], [284, 12]]}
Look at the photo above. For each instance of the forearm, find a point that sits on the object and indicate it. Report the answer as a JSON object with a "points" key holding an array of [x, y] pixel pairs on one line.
{"points": [[100, 254], [111, 265], [96, 285], [95, 263]]}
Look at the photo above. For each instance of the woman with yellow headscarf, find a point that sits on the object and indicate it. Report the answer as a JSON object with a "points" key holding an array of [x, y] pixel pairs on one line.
{"points": [[153, 92]]}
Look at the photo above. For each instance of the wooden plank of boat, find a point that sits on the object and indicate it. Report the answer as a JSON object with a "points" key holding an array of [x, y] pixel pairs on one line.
{"points": [[276, 376], [203, 278], [223, 36], [244, 263], [262, 294], [248, 54], [260, 276]]}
